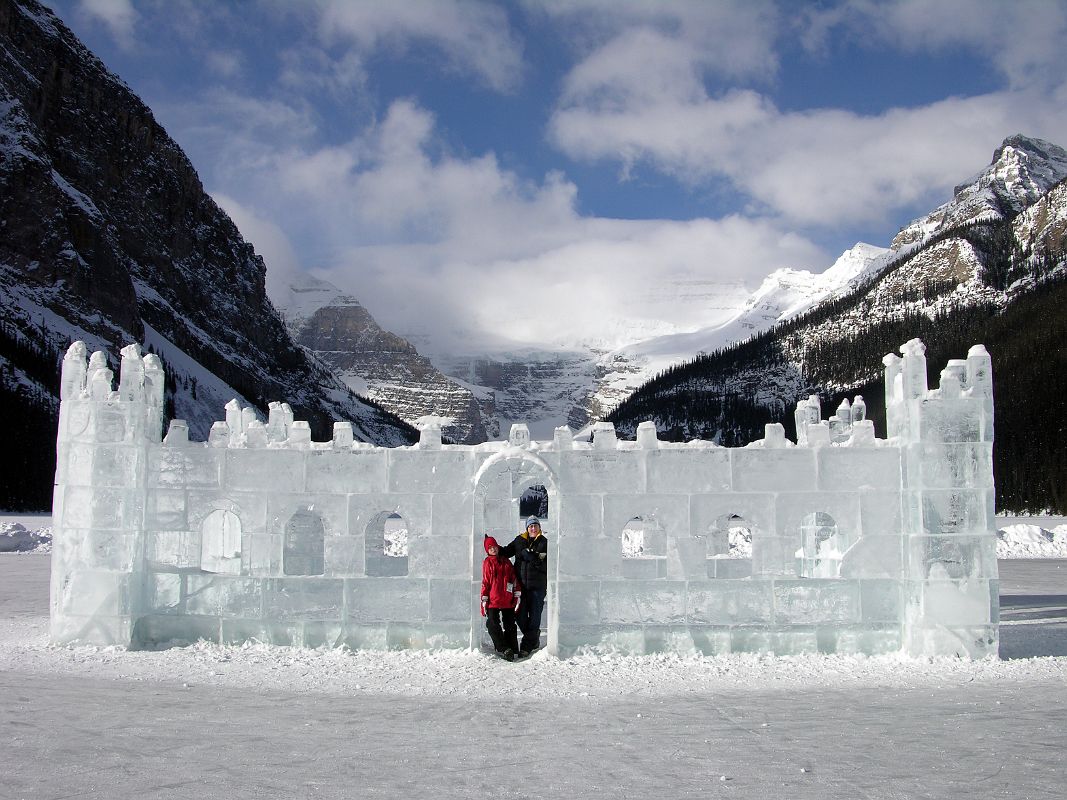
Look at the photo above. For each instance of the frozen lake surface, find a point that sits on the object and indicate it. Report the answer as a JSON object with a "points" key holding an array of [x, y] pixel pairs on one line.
{"points": [[209, 721]]}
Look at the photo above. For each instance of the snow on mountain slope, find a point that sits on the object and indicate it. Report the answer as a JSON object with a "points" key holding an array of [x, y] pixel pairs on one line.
{"points": [[783, 294]]}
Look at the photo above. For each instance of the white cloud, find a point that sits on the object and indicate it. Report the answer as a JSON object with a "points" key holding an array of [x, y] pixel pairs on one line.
{"points": [[283, 264], [433, 241], [118, 15], [733, 38], [309, 67], [227, 64], [1022, 38], [643, 97], [824, 167], [474, 36], [464, 243]]}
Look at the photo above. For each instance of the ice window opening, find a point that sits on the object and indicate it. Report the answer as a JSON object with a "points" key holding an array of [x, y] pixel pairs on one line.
{"points": [[305, 545], [220, 543], [387, 546], [644, 549], [395, 534], [730, 538], [534, 502]]}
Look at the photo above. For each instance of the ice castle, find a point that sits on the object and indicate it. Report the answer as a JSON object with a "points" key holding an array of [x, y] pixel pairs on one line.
{"points": [[840, 543]]}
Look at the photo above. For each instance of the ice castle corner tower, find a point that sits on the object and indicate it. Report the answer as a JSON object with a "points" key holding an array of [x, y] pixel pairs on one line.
{"points": [[106, 438], [838, 543], [946, 438]]}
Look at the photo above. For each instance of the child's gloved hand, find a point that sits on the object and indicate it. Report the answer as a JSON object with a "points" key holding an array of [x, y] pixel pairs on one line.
{"points": [[518, 599], [485, 605]]}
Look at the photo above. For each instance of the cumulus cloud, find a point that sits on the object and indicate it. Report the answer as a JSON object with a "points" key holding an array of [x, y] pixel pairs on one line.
{"points": [[461, 249], [283, 264], [474, 36], [644, 97], [1023, 39], [732, 38], [323, 169]]}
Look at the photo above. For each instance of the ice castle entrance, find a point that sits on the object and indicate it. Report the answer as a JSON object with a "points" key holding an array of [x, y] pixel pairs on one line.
{"points": [[500, 486]]}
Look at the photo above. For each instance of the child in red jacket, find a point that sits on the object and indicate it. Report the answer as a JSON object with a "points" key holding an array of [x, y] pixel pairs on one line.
{"points": [[500, 598]]}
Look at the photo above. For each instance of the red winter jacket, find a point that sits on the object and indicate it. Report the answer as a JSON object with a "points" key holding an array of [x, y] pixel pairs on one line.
{"points": [[499, 582]]}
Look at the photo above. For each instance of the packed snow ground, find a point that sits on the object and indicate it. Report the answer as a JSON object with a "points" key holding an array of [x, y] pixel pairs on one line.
{"points": [[208, 721]]}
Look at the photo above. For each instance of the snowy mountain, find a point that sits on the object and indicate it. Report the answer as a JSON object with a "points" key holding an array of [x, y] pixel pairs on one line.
{"points": [[990, 267], [574, 382], [109, 237], [343, 335], [783, 294]]}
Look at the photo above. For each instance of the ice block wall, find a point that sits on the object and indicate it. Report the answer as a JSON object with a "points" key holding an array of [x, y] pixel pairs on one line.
{"points": [[839, 543]]}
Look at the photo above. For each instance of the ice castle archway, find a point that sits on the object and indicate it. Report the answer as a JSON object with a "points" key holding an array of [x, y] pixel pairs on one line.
{"points": [[498, 487]]}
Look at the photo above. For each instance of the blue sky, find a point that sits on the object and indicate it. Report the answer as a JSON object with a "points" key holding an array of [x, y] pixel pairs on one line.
{"points": [[452, 161]]}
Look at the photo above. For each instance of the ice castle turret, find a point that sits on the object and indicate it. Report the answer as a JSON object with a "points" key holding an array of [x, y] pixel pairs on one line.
{"points": [[949, 526], [106, 441], [841, 542]]}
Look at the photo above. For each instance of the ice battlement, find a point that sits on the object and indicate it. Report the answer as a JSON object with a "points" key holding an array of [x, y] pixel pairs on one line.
{"points": [[840, 542]]}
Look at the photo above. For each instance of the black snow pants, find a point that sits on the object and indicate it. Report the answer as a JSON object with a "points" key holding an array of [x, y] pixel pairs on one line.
{"points": [[501, 625]]}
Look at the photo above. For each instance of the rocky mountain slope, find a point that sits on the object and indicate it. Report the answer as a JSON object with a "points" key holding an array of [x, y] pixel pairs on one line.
{"points": [[108, 236], [343, 335], [989, 266]]}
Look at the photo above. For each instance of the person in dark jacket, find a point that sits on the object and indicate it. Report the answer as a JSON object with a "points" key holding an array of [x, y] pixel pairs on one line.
{"points": [[501, 593], [530, 549]]}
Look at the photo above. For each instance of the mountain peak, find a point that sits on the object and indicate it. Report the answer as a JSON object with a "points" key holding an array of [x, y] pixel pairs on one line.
{"points": [[1046, 151], [1023, 168]]}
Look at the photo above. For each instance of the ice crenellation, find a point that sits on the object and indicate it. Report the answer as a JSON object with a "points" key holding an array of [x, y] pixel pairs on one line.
{"points": [[840, 542]]}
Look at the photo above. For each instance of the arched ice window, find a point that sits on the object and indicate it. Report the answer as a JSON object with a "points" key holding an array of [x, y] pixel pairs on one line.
{"points": [[387, 546], [220, 543], [822, 546], [730, 542]]}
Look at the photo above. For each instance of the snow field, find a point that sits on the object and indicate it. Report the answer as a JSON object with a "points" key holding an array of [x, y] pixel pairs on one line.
{"points": [[206, 721]]}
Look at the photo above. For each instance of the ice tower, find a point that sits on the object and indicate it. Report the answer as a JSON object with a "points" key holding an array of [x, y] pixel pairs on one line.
{"points": [[841, 542], [946, 436], [106, 439]]}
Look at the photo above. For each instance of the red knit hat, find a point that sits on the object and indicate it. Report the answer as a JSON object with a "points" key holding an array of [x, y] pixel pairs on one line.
{"points": [[490, 542]]}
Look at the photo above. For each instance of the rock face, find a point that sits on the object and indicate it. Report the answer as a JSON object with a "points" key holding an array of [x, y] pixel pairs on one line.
{"points": [[108, 236], [343, 335]]}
